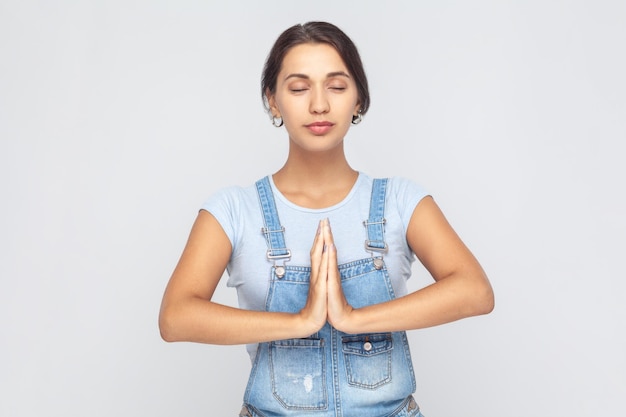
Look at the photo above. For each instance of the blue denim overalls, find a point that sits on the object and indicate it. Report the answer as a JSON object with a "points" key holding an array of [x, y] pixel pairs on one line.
{"points": [[330, 373]]}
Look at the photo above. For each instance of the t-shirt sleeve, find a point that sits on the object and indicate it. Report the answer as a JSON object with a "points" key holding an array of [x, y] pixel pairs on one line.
{"points": [[224, 206], [408, 195]]}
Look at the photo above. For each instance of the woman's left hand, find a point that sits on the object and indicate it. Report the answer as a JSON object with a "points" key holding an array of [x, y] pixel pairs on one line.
{"points": [[339, 311]]}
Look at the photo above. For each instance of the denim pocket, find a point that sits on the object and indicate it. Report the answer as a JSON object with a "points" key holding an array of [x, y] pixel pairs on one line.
{"points": [[368, 359], [298, 373]]}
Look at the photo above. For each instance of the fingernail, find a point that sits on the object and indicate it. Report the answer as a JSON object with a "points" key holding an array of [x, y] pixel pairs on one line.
{"points": [[319, 227]]}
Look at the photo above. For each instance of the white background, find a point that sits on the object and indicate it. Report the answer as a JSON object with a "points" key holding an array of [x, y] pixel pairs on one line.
{"points": [[119, 118]]}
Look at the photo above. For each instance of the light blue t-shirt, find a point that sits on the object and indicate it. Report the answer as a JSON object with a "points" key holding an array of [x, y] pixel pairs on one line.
{"points": [[238, 211]]}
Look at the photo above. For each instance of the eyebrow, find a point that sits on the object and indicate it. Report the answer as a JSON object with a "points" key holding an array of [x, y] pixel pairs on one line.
{"points": [[329, 75]]}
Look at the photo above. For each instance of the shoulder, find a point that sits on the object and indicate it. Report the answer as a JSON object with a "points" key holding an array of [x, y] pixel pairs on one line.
{"points": [[395, 184], [403, 196], [233, 207], [232, 197], [399, 191], [405, 188]]}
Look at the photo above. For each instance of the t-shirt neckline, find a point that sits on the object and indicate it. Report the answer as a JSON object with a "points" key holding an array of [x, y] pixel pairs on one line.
{"points": [[294, 206]]}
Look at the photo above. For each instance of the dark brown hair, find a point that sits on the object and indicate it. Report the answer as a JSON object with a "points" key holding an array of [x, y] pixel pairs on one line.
{"points": [[315, 32]]}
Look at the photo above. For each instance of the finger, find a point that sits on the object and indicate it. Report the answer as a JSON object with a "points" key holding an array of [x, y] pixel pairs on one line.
{"points": [[318, 241], [332, 256], [330, 246], [328, 237], [316, 251], [324, 259], [334, 279]]}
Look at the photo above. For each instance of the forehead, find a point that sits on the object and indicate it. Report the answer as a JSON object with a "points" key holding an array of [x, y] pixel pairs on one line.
{"points": [[311, 59]]}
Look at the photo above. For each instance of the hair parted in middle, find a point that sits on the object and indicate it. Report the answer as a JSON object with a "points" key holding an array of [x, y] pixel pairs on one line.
{"points": [[315, 32]]}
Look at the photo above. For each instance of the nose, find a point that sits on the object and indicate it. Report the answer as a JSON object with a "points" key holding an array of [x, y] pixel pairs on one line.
{"points": [[319, 102]]}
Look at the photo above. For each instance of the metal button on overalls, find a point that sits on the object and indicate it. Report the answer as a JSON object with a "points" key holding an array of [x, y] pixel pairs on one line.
{"points": [[412, 404]]}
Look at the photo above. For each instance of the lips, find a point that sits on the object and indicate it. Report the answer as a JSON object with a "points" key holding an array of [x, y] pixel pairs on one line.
{"points": [[319, 128]]}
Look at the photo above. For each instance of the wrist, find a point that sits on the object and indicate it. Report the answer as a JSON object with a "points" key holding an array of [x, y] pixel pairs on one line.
{"points": [[304, 326], [349, 321]]}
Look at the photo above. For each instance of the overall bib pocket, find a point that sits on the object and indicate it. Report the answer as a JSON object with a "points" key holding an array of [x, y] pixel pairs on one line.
{"points": [[368, 359], [298, 373]]}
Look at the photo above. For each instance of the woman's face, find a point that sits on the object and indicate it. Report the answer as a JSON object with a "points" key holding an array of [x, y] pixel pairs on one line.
{"points": [[315, 96]]}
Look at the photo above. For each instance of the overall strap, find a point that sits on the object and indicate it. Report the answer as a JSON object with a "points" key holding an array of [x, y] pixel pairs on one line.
{"points": [[375, 224], [273, 231]]}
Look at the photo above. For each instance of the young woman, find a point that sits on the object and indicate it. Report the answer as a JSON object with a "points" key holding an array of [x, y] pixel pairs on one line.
{"points": [[320, 253]]}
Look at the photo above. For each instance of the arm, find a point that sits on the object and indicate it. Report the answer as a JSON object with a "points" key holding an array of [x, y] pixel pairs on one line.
{"points": [[188, 314], [461, 288]]}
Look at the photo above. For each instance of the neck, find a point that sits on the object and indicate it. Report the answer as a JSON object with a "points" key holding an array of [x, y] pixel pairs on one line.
{"points": [[315, 169], [315, 179]]}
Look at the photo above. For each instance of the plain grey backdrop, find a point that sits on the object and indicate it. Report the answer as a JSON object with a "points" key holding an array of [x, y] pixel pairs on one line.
{"points": [[119, 118]]}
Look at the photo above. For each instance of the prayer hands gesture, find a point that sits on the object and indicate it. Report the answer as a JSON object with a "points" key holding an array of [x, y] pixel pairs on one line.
{"points": [[326, 300]]}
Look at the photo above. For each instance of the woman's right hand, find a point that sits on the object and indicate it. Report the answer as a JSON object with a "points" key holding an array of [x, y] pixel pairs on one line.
{"points": [[315, 310]]}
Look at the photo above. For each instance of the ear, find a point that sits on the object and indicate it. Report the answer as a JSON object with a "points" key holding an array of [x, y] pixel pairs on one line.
{"points": [[357, 108], [271, 103]]}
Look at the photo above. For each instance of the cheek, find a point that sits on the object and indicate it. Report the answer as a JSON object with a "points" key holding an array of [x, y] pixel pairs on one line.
{"points": [[284, 105], [292, 110]]}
